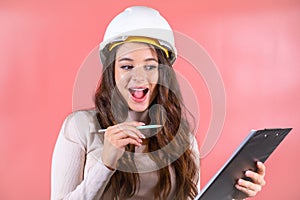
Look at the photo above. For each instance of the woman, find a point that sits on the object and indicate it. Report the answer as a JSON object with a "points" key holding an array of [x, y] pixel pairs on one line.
{"points": [[138, 87]]}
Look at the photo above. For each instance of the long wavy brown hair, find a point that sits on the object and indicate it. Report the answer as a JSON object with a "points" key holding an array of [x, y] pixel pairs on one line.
{"points": [[175, 134]]}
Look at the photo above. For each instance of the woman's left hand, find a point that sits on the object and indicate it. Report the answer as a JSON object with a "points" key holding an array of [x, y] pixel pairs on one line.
{"points": [[258, 181]]}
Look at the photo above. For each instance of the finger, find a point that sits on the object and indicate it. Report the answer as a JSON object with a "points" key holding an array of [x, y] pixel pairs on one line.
{"points": [[130, 123], [124, 127], [123, 142], [126, 134], [249, 185], [134, 123], [261, 168], [248, 192], [124, 131], [256, 177], [134, 130], [119, 135]]}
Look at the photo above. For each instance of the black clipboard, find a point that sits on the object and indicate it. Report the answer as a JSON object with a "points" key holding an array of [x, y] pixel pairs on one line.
{"points": [[257, 146]]}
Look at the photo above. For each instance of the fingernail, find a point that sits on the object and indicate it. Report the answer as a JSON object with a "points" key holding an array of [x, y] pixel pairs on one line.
{"points": [[247, 173], [142, 123], [240, 181], [142, 136], [259, 163]]}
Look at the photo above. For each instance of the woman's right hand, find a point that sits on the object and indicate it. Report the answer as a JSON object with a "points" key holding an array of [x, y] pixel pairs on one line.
{"points": [[116, 138]]}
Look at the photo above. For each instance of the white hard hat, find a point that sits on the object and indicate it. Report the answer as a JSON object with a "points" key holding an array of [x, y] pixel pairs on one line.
{"points": [[139, 24]]}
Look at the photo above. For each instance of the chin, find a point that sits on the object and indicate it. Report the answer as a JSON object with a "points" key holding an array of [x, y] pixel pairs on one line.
{"points": [[139, 108]]}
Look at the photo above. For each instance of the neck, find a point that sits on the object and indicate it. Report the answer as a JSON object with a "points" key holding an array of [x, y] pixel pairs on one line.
{"points": [[139, 116]]}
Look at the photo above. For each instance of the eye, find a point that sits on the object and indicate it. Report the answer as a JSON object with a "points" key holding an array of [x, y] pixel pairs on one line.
{"points": [[150, 67], [126, 67]]}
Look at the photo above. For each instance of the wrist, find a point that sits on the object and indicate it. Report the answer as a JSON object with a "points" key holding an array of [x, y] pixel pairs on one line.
{"points": [[110, 168]]}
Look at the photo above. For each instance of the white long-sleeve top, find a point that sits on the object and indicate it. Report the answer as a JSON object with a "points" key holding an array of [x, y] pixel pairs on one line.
{"points": [[77, 170]]}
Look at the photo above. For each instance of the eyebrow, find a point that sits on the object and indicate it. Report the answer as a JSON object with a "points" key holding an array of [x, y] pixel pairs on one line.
{"points": [[151, 59], [129, 59]]}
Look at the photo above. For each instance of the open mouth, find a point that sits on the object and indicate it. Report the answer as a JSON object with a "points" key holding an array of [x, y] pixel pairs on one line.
{"points": [[138, 93]]}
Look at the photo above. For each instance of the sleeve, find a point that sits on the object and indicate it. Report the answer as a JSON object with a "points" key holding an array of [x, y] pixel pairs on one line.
{"points": [[68, 162]]}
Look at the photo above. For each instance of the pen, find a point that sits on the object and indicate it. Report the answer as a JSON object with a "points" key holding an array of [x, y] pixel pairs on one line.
{"points": [[138, 127]]}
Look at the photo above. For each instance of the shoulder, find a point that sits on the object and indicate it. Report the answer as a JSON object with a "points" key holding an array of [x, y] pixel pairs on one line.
{"points": [[82, 118], [79, 125]]}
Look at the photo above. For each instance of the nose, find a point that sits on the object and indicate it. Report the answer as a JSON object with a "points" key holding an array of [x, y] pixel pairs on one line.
{"points": [[139, 74]]}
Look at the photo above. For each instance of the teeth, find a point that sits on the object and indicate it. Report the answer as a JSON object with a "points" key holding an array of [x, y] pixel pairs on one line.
{"points": [[138, 89]]}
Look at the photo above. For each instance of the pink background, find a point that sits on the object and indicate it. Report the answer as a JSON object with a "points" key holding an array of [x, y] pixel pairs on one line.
{"points": [[255, 45]]}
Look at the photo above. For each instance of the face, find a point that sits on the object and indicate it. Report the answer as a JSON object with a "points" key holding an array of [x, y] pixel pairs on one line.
{"points": [[136, 74]]}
